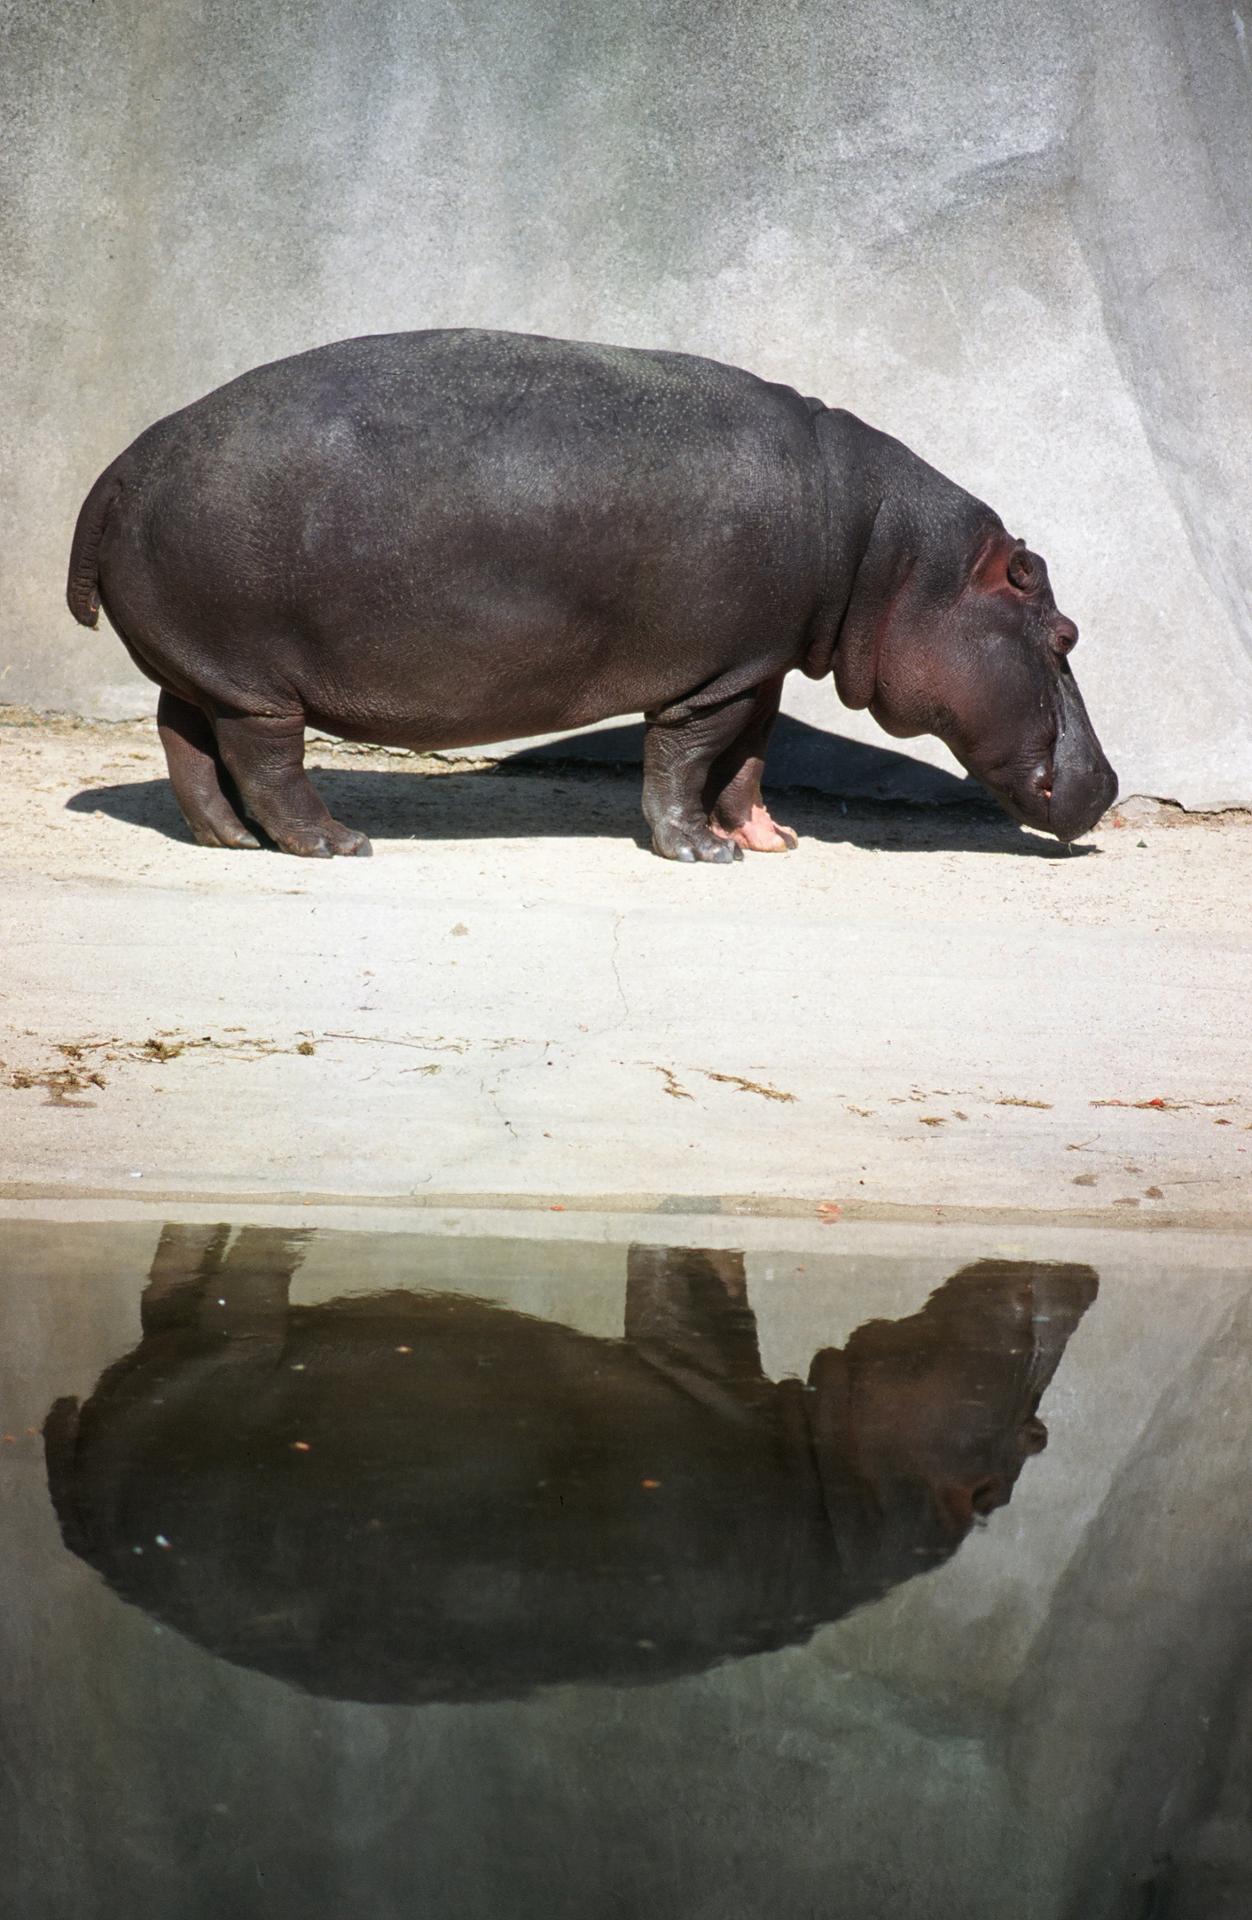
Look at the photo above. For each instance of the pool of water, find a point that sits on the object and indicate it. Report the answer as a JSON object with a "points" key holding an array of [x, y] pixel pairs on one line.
{"points": [[458, 1574]]}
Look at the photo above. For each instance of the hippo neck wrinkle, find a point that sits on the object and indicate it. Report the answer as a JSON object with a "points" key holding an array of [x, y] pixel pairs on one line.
{"points": [[857, 574], [872, 590]]}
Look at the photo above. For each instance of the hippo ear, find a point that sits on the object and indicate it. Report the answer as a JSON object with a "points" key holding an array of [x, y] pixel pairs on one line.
{"points": [[1024, 571]]}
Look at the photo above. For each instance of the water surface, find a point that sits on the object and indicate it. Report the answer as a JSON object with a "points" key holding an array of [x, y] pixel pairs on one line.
{"points": [[470, 1576]]}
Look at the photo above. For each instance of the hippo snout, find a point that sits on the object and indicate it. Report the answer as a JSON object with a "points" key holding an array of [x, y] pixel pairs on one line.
{"points": [[1081, 798], [1063, 792], [1084, 785]]}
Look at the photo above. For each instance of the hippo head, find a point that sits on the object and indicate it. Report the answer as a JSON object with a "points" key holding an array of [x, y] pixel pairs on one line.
{"points": [[921, 1426], [952, 629]]}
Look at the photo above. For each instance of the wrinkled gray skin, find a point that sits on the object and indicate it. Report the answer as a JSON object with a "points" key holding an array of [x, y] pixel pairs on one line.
{"points": [[423, 1496], [448, 538]]}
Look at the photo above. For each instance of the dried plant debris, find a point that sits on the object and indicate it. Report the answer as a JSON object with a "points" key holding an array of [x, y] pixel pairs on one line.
{"points": [[1160, 1104], [1015, 1100], [671, 1084], [80, 1072], [234, 1042], [157, 1049], [167, 1044], [424, 1043], [746, 1086], [59, 1083]]}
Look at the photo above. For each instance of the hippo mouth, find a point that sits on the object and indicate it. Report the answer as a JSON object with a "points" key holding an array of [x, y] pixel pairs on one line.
{"points": [[1026, 790], [1029, 801], [1065, 807]]}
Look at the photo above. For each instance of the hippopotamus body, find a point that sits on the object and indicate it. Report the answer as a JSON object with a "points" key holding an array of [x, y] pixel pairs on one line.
{"points": [[447, 538], [422, 1496]]}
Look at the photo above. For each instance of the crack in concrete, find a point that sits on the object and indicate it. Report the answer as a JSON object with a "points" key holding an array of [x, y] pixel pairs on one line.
{"points": [[492, 1095], [614, 958]]}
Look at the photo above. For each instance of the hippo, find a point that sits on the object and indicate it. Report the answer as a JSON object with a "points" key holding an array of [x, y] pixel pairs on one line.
{"points": [[452, 537], [409, 1496]]}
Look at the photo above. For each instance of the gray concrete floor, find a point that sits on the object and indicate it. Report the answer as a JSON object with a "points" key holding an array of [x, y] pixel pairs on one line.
{"points": [[918, 1013]]}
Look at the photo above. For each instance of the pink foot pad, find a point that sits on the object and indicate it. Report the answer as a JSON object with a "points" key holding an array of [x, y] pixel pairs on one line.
{"points": [[759, 833]]}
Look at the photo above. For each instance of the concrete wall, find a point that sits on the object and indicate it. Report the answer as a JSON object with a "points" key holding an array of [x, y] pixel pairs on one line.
{"points": [[1018, 233]]}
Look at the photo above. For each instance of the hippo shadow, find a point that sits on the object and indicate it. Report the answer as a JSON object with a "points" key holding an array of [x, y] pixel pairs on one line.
{"points": [[838, 791], [424, 1496]]}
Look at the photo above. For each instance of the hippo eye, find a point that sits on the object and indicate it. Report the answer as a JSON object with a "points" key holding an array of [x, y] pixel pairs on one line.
{"points": [[1064, 637], [1024, 571]]}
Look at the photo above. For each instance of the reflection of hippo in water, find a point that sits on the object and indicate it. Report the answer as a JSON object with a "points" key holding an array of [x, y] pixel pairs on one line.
{"points": [[416, 1496]]}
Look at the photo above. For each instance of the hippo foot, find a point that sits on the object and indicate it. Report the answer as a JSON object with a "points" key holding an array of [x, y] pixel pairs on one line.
{"points": [[759, 833], [223, 835], [689, 844], [323, 843]]}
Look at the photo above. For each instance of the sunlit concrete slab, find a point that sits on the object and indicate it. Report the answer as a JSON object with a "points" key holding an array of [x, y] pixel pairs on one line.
{"points": [[514, 998]]}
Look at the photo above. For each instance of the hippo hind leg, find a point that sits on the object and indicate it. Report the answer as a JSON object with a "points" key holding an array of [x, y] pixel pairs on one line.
{"points": [[737, 812], [264, 755], [197, 776]]}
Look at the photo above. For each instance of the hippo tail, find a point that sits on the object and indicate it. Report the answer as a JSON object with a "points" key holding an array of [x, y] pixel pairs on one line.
{"points": [[83, 587]]}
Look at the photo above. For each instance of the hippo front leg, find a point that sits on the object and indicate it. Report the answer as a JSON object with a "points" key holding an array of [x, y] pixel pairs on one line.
{"points": [[737, 810], [681, 745]]}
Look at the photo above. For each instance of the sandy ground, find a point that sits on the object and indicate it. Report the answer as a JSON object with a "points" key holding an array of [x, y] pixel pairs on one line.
{"points": [[918, 1014]]}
